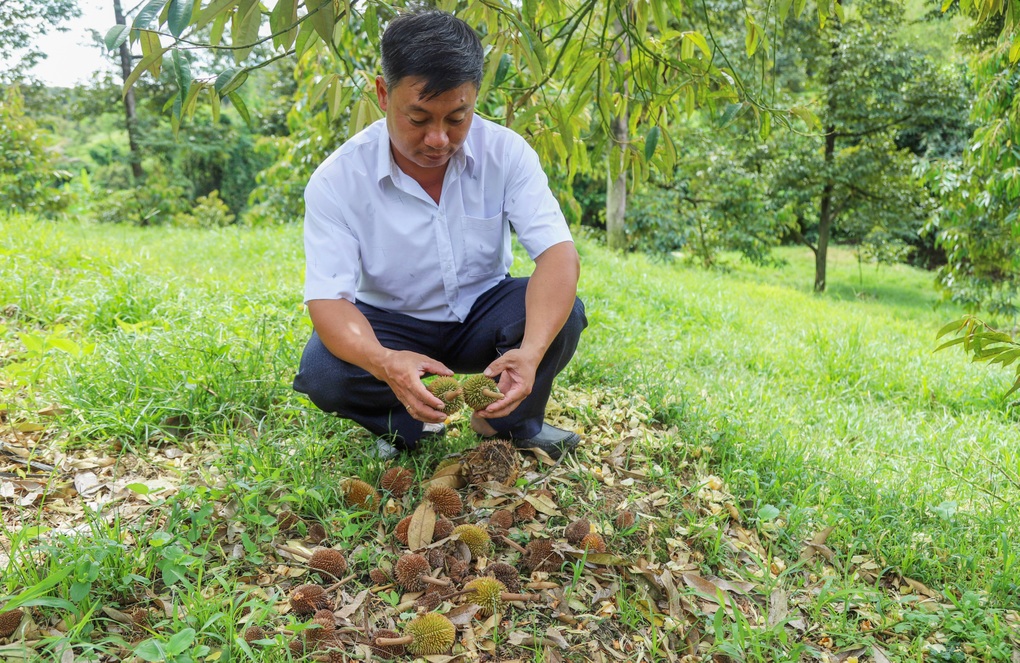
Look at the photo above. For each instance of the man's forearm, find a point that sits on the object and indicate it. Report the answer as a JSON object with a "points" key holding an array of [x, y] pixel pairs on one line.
{"points": [[346, 333], [552, 290]]}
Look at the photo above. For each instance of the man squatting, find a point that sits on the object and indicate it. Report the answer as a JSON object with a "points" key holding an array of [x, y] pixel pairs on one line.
{"points": [[407, 242]]}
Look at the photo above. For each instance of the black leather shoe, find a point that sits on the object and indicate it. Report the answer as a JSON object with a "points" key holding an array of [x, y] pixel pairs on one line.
{"points": [[553, 441]]}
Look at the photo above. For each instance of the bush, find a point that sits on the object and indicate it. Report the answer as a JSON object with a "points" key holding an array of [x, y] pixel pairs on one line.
{"points": [[208, 212], [155, 202], [29, 182]]}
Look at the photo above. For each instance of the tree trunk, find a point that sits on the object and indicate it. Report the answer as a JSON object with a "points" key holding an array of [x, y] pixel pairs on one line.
{"points": [[616, 185], [129, 101], [825, 212]]}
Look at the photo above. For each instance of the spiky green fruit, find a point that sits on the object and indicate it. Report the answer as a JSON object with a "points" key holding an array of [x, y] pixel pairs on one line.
{"points": [[480, 391], [448, 390], [432, 634]]}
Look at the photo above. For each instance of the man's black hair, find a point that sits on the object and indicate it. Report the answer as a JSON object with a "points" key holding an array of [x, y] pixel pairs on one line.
{"points": [[433, 45]]}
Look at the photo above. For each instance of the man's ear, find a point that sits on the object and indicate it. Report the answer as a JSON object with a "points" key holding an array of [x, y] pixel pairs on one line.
{"points": [[380, 92]]}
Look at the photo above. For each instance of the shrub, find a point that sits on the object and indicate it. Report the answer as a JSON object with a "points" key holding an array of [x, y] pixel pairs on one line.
{"points": [[28, 179], [208, 212]]}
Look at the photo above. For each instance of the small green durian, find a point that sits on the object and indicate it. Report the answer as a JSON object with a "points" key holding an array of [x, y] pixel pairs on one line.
{"points": [[480, 391], [448, 390]]}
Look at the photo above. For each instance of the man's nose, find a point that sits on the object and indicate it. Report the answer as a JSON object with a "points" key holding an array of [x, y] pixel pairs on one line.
{"points": [[436, 138]]}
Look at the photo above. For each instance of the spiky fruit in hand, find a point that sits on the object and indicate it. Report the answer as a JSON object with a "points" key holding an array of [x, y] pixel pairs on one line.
{"points": [[253, 633], [480, 392], [444, 528], [506, 574], [577, 530], [397, 480], [593, 543], [409, 570], [448, 390], [329, 560], [306, 599], [427, 635], [475, 538], [9, 622], [492, 460], [401, 530], [360, 494], [391, 651], [445, 500]]}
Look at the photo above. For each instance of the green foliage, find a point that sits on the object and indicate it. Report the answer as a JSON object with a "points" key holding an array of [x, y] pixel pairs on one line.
{"points": [[28, 179], [156, 201], [983, 343], [208, 212], [978, 224], [23, 23]]}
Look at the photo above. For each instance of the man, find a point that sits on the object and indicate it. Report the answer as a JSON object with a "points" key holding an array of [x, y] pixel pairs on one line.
{"points": [[407, 241]]}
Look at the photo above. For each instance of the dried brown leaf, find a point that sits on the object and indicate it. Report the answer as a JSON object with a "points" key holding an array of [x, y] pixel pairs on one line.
{"points": [[423, 525], [779, 607], [543, 504]]}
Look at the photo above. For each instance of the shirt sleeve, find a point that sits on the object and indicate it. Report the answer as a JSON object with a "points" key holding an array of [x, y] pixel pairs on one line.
{"points": [[530, 205], [332, 261]]}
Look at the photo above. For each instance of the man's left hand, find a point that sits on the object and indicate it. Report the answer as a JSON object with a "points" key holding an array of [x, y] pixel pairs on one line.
{"points": [[516, 369]]}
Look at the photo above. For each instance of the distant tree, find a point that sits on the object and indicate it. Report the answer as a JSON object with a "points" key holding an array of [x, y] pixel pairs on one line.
{"points": [[978, 224], [22, 23], [28, 177]]}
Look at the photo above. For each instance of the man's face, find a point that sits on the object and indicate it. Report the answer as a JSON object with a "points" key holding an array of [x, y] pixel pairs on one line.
{"points": [[425, 132]]}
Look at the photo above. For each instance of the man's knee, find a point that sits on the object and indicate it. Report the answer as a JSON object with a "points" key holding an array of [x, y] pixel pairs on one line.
{"points": [[321, 376]]}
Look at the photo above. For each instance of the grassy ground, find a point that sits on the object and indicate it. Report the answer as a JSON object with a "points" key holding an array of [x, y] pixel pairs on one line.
{"points": [[752, 417]]}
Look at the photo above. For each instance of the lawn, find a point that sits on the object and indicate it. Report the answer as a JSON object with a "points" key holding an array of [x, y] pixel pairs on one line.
{"points": [[810, 481]]}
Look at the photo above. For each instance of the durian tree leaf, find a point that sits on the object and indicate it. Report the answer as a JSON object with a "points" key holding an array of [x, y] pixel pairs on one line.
{"points": [[307, 37], [245, 29], [147, 13], [182, 72], [651, 141], [230, 80], [179, 16], [147, 61], [953, 326], [242, 108], [284, 15], [115, 36], [323, 18], [422, 527], [213, 10], [151, 44], [214, 103]]}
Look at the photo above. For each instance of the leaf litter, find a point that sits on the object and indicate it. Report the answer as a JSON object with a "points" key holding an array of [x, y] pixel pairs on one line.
{"points": [[675, 585]]}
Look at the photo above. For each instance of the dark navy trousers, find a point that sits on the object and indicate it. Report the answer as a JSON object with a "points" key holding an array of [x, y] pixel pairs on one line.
{"points": [[494, 325]]}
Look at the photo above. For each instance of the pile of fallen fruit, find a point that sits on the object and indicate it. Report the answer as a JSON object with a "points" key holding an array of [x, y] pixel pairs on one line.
{"points": [[451, 566]]}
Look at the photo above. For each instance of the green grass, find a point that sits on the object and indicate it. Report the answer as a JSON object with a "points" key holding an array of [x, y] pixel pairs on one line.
{"points": [[816, 411]]}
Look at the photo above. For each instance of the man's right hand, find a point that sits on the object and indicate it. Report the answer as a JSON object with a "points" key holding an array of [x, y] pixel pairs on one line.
{"points": [[346, 333], [402, 371]]}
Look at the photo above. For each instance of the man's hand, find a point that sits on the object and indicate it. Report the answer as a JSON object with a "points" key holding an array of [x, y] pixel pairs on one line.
{"points": [[403, 371], [516, 369]]}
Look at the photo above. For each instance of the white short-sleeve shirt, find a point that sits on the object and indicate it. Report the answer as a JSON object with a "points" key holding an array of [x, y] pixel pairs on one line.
{"points": [[373, 235]]}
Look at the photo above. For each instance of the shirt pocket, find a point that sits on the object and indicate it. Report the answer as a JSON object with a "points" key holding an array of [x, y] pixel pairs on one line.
{"points": [[483, 245]]}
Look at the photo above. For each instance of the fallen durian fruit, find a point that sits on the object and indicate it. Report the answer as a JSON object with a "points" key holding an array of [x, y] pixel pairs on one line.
{"points": [[445, 500], [593, 543], [386, 651], [506, 574], [475, 538], [427, 635], [448, 390], [253, 633], [577, 530], [480, 392], [503, 519], [412, 573], [491, 595], [359, 493], [10, 621], [525, 512], [492, 460], [329, 560], [397, 480], [624, 520], [540, 556], [443, 529], [401, 530], [307, 599]]}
